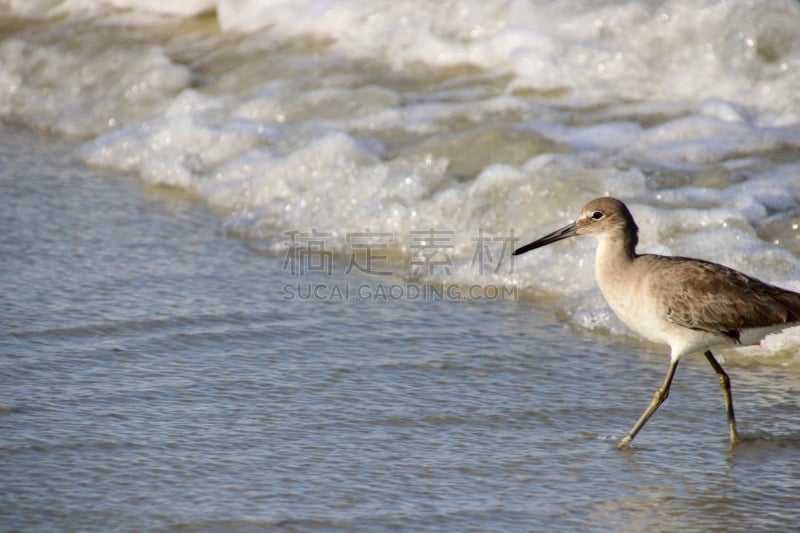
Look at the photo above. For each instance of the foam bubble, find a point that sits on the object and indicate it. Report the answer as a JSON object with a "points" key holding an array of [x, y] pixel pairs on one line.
{"points": [[182, 8], [44, 9], [84, 94]]}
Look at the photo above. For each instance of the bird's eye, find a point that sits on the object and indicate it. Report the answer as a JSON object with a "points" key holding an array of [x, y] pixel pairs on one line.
{"points": [[597, 215]]}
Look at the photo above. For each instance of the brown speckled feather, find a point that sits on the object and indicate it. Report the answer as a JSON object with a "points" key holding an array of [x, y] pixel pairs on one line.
{"points": [[709, 297]]}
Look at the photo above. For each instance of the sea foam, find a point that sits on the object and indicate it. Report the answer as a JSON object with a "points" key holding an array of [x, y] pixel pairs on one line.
{"points": [[479, 119]]}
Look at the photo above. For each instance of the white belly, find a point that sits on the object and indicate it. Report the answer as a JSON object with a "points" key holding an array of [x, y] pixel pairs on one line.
{"points": [[637, 310]]}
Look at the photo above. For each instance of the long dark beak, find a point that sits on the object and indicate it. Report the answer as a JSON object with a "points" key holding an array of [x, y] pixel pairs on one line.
{"points": [[570, 230]]}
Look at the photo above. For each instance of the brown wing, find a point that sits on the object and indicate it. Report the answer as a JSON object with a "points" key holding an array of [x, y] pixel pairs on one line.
{"points": [[710, 297]]}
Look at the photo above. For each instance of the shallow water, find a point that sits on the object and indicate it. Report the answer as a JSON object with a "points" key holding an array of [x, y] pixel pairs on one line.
{"points": [[171, 360], [155, 377]]}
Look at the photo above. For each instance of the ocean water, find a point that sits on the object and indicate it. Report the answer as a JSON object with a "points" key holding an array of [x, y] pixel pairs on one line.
{"points": [[256, 266]]}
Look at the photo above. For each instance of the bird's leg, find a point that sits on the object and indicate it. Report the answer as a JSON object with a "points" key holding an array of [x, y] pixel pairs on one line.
{"points": [[658, 398], [725, 385]]}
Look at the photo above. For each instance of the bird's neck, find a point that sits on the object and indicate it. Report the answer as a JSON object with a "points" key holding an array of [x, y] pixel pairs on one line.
{"points": [[620, 246], [614, 256]]}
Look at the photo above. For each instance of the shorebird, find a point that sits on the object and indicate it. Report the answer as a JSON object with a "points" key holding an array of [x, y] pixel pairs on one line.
{"points": [[689, 304]]}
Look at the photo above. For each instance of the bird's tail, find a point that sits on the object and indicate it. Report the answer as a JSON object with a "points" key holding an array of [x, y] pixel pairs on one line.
{"points": [[791, 301]]}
